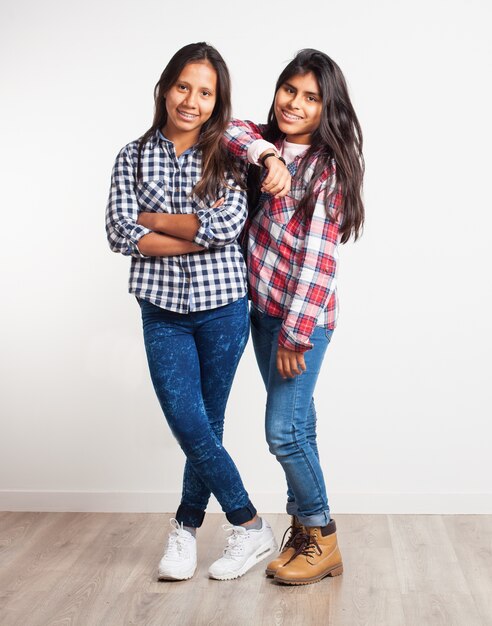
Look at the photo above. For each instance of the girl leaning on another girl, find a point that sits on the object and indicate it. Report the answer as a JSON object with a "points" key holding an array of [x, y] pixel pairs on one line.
{"points": [[177, 206]]}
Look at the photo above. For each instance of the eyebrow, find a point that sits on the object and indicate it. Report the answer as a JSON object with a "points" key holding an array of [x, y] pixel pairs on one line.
{"points": [[310, 93]]}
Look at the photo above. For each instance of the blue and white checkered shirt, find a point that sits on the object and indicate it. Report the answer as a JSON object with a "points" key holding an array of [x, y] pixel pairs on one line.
{"points": [[188, 282]]}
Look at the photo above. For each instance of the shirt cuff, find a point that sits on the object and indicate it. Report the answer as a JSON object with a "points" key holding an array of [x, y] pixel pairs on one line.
{"points": [[137, 233], [287, 339], [204, 236], [257, 148]]}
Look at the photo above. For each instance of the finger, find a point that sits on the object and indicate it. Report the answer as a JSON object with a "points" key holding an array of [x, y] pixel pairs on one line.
{"points": [[281, 194], [269, 177], [295, 365], [276, 186], [285, 366], [218, 203], [280, 366], [283, 185], [276, 171], [301, 362], [288, 366], [286, 188], [271, 181]]}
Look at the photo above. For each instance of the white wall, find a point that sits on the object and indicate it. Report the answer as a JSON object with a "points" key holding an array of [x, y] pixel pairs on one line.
{"points": [[404, 397]]}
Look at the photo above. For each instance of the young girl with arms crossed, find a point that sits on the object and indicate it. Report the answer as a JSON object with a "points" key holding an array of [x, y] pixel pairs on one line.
{"points": [[176, 207], [293, 231]]}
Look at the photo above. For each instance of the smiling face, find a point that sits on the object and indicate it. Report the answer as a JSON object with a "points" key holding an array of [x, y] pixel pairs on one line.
{"points": [[298, 105], [190, 101]]}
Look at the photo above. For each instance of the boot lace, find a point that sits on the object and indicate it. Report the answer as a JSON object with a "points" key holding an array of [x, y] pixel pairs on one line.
{"points": [[291, 539], [305, 544]]}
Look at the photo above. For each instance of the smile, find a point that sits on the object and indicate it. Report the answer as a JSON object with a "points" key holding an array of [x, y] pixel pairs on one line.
{"points": [[187, 116], [290, 117]]}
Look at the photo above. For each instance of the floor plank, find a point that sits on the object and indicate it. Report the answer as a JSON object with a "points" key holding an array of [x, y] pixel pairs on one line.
{"points": [[93, 569], [471, 537]]}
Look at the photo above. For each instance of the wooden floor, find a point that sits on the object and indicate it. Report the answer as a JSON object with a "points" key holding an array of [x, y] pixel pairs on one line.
{"points": [[100, 569]]}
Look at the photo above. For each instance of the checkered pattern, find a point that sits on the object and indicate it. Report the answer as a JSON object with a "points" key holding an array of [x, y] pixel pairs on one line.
{"points": [[292, 262], [188, 282]]}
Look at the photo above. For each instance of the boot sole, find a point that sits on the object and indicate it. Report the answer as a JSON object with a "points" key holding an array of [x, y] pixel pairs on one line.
{"points": [[336, 571], [262, 553]]}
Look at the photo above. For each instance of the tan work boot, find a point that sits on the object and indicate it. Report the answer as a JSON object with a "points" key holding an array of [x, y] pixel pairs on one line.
{"points": [[287, 549], [317, 556]]}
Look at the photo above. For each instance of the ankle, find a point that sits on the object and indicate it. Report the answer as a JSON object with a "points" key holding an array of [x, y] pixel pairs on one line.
{"points": [[253, 524]]}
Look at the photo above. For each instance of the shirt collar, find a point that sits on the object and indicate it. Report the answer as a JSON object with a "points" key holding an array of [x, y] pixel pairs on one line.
{"points": [[159, 138]]}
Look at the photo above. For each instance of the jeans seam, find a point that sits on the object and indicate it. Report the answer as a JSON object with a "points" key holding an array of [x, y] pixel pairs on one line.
{"points": [[300, 449]]}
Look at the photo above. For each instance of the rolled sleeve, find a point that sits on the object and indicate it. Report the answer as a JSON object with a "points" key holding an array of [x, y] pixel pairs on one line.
{"points": [[123, 232], [241, 136], [257, 148], [222, 225]]}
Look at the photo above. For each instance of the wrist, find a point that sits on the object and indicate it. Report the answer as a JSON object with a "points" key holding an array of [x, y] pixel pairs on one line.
{"points": [[268, 154]]}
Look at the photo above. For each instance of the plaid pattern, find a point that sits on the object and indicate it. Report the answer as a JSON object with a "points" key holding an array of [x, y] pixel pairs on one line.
{"points": [[188, 282], [292, 263]]}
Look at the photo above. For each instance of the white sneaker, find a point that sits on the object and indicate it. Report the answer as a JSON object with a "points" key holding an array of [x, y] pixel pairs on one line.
{"points": [[244, 549], [179, 560]]}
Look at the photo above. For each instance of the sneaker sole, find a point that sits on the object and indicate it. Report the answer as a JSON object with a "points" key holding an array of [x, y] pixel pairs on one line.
{"points": [[185, 576], [335, 571], [262, 553]]}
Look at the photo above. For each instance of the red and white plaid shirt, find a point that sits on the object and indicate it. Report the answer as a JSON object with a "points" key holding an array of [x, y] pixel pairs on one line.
{"points": [[292, 262]]}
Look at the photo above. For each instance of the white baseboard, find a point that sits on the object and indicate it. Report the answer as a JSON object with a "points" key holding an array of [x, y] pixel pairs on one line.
{"points": [[358, 503]]}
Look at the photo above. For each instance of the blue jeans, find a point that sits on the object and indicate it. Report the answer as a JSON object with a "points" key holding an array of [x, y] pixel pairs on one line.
{"points": [[192, 360], [290, 421]]}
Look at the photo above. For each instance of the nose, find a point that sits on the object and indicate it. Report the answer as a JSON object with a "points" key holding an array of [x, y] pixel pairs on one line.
{"points": [[190, 99], [295, 101]]}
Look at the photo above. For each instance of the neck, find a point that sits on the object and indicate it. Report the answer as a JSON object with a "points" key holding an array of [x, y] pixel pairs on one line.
{"points": [[182, 141], [305, 140]]}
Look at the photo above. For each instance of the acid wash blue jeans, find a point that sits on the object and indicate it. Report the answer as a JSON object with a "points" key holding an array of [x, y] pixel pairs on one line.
{"points": [[290, 420], [192, 360]]}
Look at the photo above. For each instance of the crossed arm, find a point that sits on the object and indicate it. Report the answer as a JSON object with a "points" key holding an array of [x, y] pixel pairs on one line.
{"points": [[172, 234], [146, 234]]}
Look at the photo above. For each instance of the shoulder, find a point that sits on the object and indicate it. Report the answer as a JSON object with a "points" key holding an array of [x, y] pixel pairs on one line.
{"points": [[129, 152]]}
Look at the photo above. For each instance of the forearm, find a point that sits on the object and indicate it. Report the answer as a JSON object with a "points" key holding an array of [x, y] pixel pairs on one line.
{"points": [[239, 136], [155, 244], [182, 226]]}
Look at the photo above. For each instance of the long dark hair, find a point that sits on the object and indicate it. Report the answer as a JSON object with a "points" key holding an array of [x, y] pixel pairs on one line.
{"points": [[215, 160], [338, 138]]}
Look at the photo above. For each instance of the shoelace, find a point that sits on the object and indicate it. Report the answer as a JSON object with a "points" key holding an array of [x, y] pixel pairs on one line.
{"points": [[235, 541], [294, 531], [176, 541], [305, 544]]}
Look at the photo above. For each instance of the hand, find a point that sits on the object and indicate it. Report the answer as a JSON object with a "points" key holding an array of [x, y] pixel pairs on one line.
{"points": [[278, 179], [217, 203], [147, 219], [290, 363]]}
